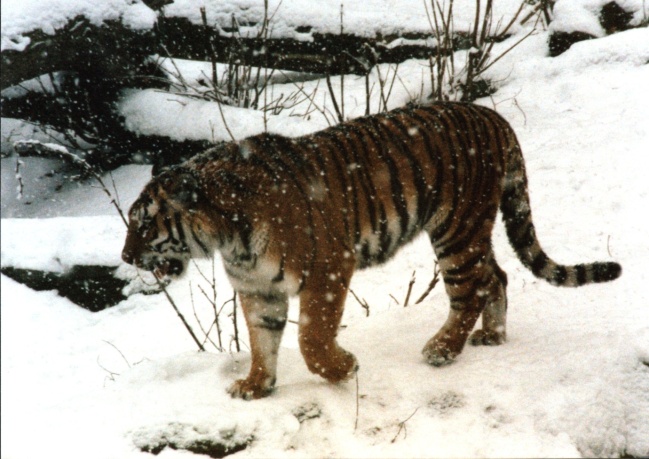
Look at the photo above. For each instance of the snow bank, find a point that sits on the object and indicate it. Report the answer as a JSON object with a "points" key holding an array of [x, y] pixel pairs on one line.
{"points": [[153, 112], [23, 16], [583, 15], [56, 244], [47, 190], [360, 17]]}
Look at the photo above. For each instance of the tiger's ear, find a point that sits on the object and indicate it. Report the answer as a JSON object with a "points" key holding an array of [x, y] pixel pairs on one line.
{"points": [[182, 187]]}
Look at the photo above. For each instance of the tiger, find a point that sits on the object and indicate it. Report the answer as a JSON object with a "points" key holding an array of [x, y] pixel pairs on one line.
{"points": [[297, 217]]}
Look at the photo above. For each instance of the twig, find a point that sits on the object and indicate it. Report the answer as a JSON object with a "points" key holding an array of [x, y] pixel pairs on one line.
{"points": [[432, 284], [357, 404], [200, 324], [217, 313], [210, 48], [19, 178], [342, 72], [112, 180], [225, 123], [333, 98], [111, 374], [311, 96], [363, 303], [402, 426], [608, 246], [182, 318], [410, 284], [120, 352], [485, 67], [234, 322], [521, 110]]}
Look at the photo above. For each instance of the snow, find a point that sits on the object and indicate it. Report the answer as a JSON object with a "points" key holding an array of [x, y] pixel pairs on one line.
{"points": [[56, 244], [583, 15], [367, 18], [572, 379], [152, 112], [20, 17]]}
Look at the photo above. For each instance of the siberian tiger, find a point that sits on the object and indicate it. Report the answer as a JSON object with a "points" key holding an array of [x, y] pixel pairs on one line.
{"points": [[297, 216]]}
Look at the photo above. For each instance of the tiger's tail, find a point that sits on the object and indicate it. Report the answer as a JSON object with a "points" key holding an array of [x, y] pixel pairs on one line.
{"points": [[517, 215]]}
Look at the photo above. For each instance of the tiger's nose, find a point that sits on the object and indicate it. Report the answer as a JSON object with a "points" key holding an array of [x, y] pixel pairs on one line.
{"points": [[127, 256]]}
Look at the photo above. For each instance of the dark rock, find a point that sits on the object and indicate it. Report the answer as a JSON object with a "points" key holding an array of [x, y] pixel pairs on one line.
{"points": [[92, 287], [560, 42], [614, 19]]}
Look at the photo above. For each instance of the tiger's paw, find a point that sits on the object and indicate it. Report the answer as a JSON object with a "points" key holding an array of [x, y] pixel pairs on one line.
{"points": [[487, 338], [344, 370], [336, 369], [250, 389], [438, 357], [438, 352]]}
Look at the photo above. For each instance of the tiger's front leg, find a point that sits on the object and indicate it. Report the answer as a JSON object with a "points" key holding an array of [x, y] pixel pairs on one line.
{"points": [[266, 318], [321, 308]]}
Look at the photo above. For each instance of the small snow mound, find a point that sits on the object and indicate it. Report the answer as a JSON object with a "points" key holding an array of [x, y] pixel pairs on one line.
{"points": [[199, 439]]}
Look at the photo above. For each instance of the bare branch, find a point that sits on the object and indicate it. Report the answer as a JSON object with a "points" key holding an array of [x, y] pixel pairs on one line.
{"points": [[402, 426], [363, 303], [333, 98], [34, 147], [410, 284], [432, 284], [182, 318]]}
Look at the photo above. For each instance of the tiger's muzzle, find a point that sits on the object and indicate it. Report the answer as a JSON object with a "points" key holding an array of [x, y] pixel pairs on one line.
{"points": [[161, 266]]}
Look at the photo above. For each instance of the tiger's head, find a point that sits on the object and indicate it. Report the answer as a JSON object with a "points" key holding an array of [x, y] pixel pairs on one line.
{"points": [[159, 220]]}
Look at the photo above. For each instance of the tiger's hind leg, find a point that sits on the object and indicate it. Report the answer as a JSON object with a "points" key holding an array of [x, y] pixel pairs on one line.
{"points": [[266, 316], [494, 315], [471, 283], [321, 308]]}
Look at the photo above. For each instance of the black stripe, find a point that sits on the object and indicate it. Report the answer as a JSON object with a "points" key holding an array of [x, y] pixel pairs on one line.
{"points": [[377, 146], [460, 241], [527, 237], [365, 255], [473, 186], [280, 274], [415, 166], [344, 151], [384, 154], [539, 263], [559, 275], [270, 147], [199, 242], [315, 154], [385, 238], [603, 272], [166, 221], [326, 150], [466, 266], [179, 226], [457, 280], [581, 274], [449, 147], [363, 172], [433, 196], [272, 323]]}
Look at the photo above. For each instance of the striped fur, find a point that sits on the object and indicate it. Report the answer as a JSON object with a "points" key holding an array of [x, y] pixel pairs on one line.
{"points": [[298, 216]]}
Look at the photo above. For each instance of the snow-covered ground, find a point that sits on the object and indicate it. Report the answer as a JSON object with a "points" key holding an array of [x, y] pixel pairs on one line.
{"points": [[572, 380]]}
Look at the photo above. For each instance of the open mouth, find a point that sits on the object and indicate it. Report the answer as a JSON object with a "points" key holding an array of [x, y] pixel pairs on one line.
{"points": [[168, 267]]}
